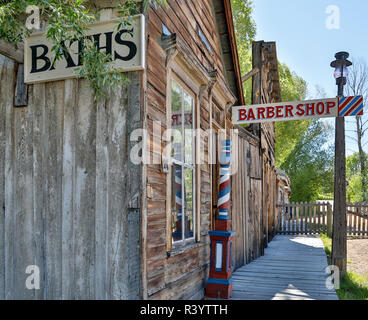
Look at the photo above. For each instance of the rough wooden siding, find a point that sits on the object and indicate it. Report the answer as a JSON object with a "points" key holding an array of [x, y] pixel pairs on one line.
{"points": [[183, 275], [270, 93], [184, 17], [246, 196], [6, 103], [69, 195], [254, 205], [240, 204], [269, 192], [223, 14]]}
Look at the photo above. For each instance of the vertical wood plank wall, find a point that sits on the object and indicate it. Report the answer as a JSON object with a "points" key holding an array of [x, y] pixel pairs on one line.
{"points": [[183, 275], [254, 195], [69, 196], [246, 197]]}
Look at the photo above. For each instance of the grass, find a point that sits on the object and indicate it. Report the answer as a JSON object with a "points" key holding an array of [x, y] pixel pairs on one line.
{"points": [[327, 242], [353, 286]]}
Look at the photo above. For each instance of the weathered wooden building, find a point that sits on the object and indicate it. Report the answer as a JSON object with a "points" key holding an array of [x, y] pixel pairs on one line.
{"points": [[254, 194], [99, 226], [282, 186]]}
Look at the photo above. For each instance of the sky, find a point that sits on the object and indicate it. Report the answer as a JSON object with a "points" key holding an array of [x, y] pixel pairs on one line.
{"points": [[307, 38]]}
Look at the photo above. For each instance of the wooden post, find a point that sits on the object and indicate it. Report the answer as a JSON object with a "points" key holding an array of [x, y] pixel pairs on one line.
{"points": [[339, 254], [12, 51], [21, 89], [297, 220], [329, 220]]}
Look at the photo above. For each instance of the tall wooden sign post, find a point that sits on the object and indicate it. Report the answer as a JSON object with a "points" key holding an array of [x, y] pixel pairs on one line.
{"points": [[339, 251]]}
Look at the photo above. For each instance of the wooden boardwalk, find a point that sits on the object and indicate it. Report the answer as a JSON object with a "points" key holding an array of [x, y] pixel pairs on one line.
{"points": [[293, 268]]}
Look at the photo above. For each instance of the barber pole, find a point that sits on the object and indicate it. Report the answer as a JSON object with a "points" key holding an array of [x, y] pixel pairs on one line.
{"points": [[223, 205], [220, 282]]}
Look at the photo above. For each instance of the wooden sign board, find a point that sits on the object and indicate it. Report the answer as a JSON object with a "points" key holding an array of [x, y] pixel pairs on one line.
{"points": [[127, 47], [284, 111]]}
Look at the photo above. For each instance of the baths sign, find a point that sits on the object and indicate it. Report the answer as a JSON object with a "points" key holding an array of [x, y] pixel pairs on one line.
{"points": [[283, 111], [126, 47]]}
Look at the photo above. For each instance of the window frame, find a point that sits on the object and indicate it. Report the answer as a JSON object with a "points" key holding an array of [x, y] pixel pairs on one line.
{"points": [[184, 88]]}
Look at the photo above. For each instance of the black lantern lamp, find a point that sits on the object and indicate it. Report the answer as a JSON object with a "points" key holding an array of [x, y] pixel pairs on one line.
{"points": [[341, 65]]}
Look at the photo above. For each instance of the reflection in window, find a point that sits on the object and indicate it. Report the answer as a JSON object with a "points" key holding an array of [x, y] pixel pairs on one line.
{"points": [[182, 204], [177, 202], [188, 128], [176, 113], [188, 202]]}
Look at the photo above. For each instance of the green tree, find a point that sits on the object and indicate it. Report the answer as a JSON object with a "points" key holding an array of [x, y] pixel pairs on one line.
{"points": [[288, 133], [357, 84], [354, 190], [245, 30], [245, 26], [299, 144], [310, 164], [302, 146], [293, 87]]}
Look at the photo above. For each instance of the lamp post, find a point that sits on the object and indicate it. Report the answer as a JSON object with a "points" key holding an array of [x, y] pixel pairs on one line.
{"points": [[339, 254]]}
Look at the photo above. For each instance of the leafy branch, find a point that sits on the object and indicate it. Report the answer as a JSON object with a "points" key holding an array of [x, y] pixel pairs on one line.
{"points": [[68, 20], [98, 69]]}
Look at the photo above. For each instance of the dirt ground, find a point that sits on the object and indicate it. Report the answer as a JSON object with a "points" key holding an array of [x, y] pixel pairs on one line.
{"points": [[358, 256]]}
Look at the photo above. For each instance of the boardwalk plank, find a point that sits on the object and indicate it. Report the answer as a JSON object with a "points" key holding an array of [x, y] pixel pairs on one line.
{"points": [[242, 286], [293, 268]]}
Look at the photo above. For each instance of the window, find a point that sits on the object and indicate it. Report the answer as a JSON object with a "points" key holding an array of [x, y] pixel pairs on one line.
{"points": [[217, 114], [183, 165], [204, 39], [165, 30]]}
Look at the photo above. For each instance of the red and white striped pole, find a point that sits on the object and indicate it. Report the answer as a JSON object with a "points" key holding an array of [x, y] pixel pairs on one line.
{"points": [[223, 203]]}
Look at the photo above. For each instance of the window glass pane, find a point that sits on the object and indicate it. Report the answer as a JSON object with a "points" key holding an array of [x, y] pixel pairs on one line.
{"points": [[188, 202], [188, 127], [176, 114], [176, 203]]}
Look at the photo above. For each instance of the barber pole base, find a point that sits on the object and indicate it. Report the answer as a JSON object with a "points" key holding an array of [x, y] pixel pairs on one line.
{"points": [[220, 282], [219, 289]]}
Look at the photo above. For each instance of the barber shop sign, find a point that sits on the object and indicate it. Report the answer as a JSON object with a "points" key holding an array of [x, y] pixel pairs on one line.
{"points": [[125, 45]]}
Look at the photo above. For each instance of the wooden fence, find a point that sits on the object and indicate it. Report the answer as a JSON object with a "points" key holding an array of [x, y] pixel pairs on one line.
{"points": [[357, 220], [316, 218], [304, 218]]}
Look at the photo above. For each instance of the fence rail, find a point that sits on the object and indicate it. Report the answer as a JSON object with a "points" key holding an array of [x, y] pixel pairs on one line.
{"points": [[316, 218], [304, 218], [357, 220]]}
